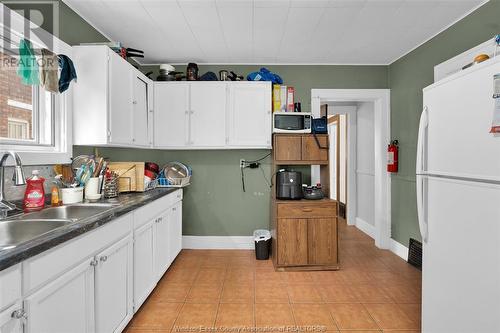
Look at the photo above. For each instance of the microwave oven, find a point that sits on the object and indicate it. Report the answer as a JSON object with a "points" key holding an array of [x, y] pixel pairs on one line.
{"points": [[292, 122]]}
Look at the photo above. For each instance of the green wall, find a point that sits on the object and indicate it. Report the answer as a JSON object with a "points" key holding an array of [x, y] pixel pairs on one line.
{"points": [[72, 28], [407, 77], [215, 204], [305, 77]]}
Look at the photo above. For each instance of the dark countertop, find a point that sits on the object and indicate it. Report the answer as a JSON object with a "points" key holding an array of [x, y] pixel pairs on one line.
{"points": [[127, 203]]}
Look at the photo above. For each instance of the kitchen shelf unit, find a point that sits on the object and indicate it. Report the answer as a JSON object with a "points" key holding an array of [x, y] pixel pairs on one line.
{"points": [[304, 232]]}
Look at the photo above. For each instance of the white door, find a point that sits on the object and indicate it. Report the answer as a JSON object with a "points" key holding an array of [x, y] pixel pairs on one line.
{"points": [[113, 287], [120, 100], [140, 112], [460, 116], [162, 244], [461, 266], [175, 232], [11, 320], [144, 263], [208, 114], [65, 304], [171, 119], [249, 115]]}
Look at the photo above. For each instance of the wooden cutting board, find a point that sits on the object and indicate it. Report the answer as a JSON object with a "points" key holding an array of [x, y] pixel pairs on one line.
{"points": [[131, 175]]}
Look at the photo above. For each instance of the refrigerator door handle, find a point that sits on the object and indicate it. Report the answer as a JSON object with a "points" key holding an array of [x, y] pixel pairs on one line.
{"points": [[421, 189], [421, 200], [424, 123]]}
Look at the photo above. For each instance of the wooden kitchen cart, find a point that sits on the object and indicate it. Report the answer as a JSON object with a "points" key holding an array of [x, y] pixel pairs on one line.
{"points": [[304, 232]]}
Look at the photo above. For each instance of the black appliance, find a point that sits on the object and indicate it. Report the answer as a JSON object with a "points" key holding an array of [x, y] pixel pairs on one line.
{"points": [[289, 185], [313, 193]]}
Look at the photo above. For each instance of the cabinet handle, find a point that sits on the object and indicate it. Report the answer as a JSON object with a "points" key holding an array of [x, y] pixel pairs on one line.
{"points": [[104, 258], [307, 210], [19, 314], [94, 262]]}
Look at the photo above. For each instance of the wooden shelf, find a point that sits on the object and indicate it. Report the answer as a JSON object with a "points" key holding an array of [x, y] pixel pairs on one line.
{"points": [[304, 232]]}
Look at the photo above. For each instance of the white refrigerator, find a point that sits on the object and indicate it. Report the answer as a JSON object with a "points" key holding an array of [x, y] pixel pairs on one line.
{"points": [[458, 201]]}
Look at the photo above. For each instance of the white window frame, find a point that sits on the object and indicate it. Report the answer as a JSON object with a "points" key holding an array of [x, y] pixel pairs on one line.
{"points": [[61, 150]]}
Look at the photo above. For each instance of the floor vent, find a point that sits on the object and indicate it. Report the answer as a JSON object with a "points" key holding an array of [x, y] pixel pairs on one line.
{"points": [[415, 253]]}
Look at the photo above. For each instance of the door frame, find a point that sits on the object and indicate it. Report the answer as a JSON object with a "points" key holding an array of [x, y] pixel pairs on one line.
{"points": [[381, 100]]}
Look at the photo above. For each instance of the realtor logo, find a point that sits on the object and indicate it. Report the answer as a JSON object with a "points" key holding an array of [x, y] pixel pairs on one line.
{"points": [[40, 26]]}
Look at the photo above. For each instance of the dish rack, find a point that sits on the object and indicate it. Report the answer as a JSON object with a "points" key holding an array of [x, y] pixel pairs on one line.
{"points": [[165, 183]]}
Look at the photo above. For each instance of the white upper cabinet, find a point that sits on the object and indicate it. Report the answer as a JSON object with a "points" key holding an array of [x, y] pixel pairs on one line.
{"points": [[249, 116], [120, 100], [208, 115], [140, 111], [212, 115], [171, 125], [111, 103]]}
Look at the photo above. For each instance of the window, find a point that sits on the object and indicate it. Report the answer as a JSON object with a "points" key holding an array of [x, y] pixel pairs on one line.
{"points": [[17, 129], [26, 112], [33, 122]]}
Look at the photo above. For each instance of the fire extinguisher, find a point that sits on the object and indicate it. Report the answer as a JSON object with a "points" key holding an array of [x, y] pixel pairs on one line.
{"points": [[392, 156]]}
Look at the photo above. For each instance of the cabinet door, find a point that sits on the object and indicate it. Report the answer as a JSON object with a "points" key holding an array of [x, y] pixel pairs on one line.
{"points": [[175, 231], [120, 100], [162, 244], [8, 322], [65, 304], [171, 107], [144, 263], [322, 241], [287, 148], [208, 114], [311, 151], [140, 112], [292, 242], [113, 287], [249, 115]]}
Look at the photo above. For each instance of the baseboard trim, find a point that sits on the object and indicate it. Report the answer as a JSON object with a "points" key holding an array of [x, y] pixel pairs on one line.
{"points": [[399, 249], [366, 227], [218, 242]]}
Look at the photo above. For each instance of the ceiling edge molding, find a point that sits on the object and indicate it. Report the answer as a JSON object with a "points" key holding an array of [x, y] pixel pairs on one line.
{"points": [[441, 31], [269, 64]]}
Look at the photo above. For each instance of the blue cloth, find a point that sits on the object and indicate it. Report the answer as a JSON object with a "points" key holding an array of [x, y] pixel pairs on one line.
{"points": [[265, 75], [68, 72]]}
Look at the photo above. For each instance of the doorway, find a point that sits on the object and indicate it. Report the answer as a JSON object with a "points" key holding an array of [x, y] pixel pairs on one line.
{"points": [[367, 183], [337, 130]]}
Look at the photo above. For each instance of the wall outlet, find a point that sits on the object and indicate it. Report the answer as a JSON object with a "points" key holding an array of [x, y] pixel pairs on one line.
{"points": [[243, 163]]}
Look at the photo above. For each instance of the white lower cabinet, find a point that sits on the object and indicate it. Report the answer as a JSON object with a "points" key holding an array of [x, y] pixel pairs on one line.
{"points": [[65, 304], [96, 281], [113, 287], [144, 263], [11, 319], [175, 230], [162, 236]]}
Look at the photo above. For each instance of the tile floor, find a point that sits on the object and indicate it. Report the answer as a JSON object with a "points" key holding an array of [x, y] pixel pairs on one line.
{"points": [[222, 290]]}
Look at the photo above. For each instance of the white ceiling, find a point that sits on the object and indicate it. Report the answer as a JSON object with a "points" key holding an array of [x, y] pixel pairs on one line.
{"points": [[272, 31]]}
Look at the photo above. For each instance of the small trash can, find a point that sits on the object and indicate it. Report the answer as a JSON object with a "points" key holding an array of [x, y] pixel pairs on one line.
{"points": [[262, 240]]}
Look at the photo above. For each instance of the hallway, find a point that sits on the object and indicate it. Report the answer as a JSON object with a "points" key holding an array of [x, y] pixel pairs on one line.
{"points": [[223, 290]]}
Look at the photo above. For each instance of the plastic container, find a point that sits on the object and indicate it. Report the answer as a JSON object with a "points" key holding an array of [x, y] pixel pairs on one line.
{"points": [[34, 196], [262, 239], [71, 195]]}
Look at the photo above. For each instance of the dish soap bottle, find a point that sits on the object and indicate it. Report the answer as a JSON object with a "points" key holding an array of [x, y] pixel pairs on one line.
{"points": [[34, 197]]}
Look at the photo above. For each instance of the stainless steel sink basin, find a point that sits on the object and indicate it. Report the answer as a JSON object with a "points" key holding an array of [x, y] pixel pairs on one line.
{"points": [[15, 232], [72, 212]]}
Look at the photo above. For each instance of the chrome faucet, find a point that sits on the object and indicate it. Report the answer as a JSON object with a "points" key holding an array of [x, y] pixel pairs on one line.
{"points": [[18, 179]]}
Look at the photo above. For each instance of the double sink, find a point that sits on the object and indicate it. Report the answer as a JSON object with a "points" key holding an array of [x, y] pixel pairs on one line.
{"points": [[16, 231]]}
